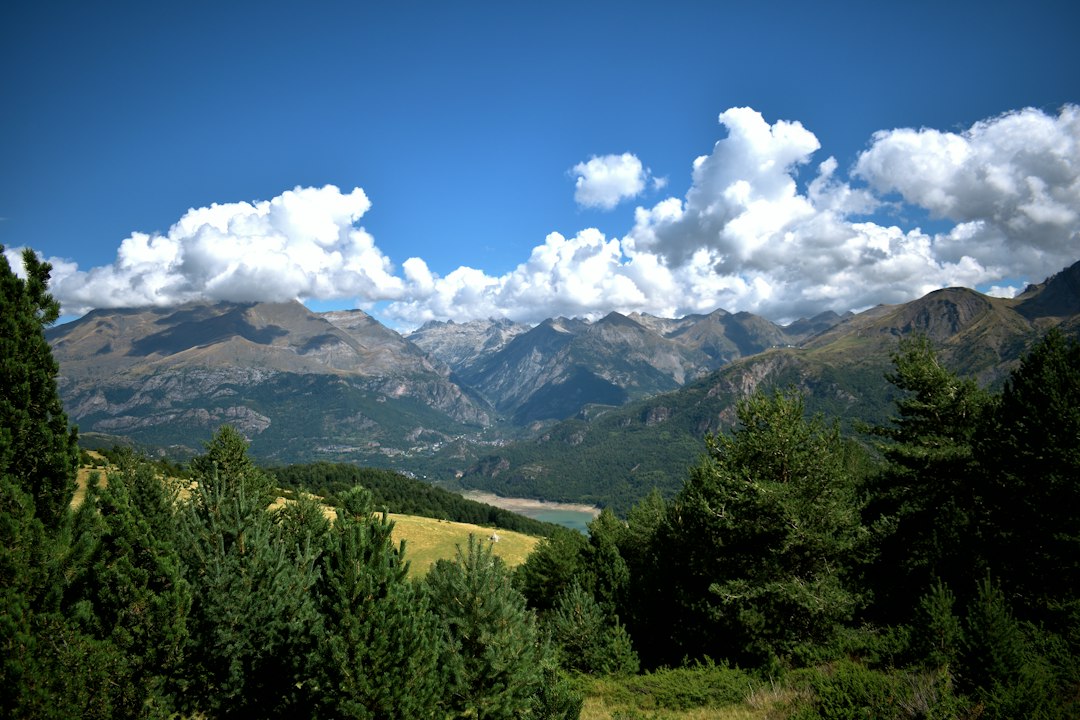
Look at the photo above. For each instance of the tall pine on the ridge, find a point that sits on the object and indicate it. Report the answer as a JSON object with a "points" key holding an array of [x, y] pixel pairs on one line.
{"points": [[1032, 449], [757, 546], [924, 505], [37, 448]]}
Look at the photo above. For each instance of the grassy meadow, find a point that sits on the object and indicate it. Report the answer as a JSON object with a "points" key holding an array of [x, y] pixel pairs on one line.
{"points": [[428, 540]]}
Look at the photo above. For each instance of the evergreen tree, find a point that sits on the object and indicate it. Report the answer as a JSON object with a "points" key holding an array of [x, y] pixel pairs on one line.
{"points": [[254, 618], [129, 590], [607, 576], [379, 654], [551, 567], [925, 505], [38, 449], [1001, 667], [758, 545], [494, 657], [937, 629], [649, 597], [48, 667], [24, 576], [226, 467], [588, 639], [557, 697], [1033, 455]]}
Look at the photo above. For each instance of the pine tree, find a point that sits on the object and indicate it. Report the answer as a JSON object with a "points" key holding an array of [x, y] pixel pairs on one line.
{"points": [[1002, 669], [650, 596], [551, 567], [588, 639], [37, 447], [226, 467], [129, 588], [925, 505], [758, 546], [48, 667], [378, 656], [254, 620], [494, 656], [606, 575], [1033, 452], [937, 628]]}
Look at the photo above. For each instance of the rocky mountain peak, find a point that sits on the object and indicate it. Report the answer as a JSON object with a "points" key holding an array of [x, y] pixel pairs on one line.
{"points": [[461, 345], [1057, 296]]}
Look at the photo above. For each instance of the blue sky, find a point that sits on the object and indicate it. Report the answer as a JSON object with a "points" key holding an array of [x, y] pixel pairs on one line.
{"points": [[459, 160]]}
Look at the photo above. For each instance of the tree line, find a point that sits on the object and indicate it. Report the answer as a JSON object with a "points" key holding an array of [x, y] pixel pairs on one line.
{"points": [[397, 493], [933, 572]]}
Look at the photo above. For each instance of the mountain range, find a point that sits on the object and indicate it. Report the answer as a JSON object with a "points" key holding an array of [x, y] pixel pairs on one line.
{"points": [[503, 406], [615, 456]]}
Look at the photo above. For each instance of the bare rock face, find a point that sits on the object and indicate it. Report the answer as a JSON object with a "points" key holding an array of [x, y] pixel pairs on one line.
{"points": [[462, 345], [561, 366]]}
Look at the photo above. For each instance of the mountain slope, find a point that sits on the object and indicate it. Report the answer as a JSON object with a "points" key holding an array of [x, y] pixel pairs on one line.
{"points": [[561, 366], [617, 456], [297, 384]]}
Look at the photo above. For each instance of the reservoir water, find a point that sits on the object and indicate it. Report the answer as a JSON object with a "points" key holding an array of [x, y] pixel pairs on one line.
{"points": [[572, 515]]}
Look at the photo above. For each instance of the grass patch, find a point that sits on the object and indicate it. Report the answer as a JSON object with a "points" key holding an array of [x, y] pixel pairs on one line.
{"points": [[691, 693], [90, 462], [428, 540]]}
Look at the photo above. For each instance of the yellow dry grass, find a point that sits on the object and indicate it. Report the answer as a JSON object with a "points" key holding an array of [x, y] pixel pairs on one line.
{"points": [[597, 709], [605, 699], [428, 540], [82, 479]]}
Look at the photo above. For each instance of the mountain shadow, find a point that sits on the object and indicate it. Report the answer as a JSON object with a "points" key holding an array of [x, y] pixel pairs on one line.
{"points": [[566, 397], [193, 328]]}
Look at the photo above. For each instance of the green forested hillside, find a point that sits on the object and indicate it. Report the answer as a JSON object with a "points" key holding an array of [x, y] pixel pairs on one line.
{"points": [[613, 456], [621, 454], [932, 575]]}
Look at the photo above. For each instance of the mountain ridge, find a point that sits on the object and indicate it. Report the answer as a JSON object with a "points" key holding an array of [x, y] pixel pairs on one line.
{"points": [[615, 457]]}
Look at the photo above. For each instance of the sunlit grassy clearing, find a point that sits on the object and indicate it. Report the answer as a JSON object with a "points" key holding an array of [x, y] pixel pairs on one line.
{"points": [[596, 708], [428, 540]]}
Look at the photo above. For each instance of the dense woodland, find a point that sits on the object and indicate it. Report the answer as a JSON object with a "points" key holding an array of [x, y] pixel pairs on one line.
{"points": [[934, 573]]}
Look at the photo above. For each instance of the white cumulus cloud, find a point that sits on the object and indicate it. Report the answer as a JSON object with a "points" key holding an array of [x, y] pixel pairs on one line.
{"points": [[757, 241], [1011, 183], [765, 227], [303, 243], [606, 181]]}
